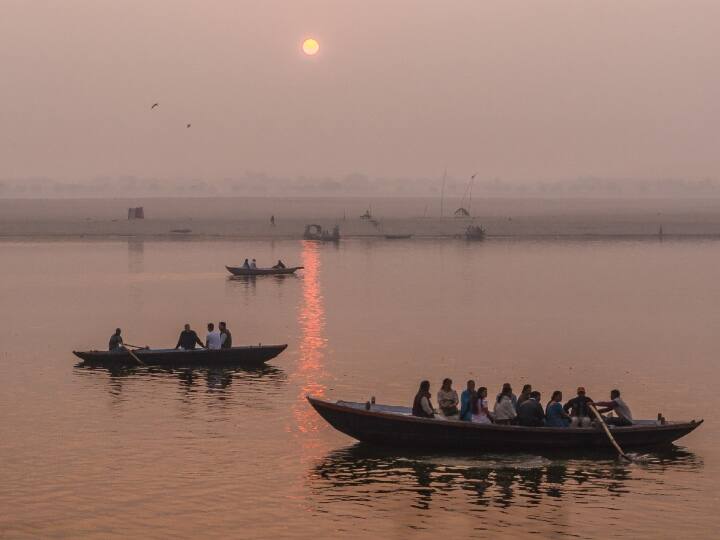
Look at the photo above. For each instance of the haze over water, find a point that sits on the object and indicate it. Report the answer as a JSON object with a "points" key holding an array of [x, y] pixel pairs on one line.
{"points": [[236, 453]]}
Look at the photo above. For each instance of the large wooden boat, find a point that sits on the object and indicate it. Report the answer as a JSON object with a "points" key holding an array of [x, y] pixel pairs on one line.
{"points": [[243, 271], [254, 355], [395, 426]]}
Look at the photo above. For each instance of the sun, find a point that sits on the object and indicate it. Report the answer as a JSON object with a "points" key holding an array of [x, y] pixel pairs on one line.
{"points": [[310, 47]]}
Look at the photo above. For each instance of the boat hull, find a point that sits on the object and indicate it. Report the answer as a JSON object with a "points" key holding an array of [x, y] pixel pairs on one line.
{"points": [[240, 271], [400, 430], [236, 356]]}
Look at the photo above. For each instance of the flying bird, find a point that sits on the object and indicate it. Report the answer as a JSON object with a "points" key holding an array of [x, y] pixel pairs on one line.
{"points": [[154, 105], [188, 125], [473, 176]]}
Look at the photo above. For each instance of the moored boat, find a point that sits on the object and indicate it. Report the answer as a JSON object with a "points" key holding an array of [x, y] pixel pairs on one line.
{"points": [[254, 355], [387, 425], [243, 271]]}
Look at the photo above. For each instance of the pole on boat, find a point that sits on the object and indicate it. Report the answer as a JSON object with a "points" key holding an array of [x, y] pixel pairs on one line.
{"points": [[607, 431], [134, 356]]}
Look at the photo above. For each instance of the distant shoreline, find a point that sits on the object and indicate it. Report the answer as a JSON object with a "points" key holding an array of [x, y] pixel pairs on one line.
{"points": [[249, 219]]}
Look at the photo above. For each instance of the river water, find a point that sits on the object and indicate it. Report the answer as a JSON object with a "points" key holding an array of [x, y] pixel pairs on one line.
{"points": [[149, 453]]}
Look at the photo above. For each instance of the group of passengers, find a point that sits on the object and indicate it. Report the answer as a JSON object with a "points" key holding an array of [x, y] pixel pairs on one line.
{"points": [[253, 264], [524, 410], [215, 339]]}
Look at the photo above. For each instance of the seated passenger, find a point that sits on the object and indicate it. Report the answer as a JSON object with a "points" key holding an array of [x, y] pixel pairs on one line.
{"points": [[481, 413], [246, 264], [524, 395], [188, 339], [619, 407], [504, 410], [466, 401], [422, 406], [555, 416], [116, 341], [253, 264], [513, 397], [530, 413], [578, 409], [448, 399]]}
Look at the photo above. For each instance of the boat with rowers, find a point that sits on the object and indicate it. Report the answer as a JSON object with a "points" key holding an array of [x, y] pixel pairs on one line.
{"points": [[245, 271], [253, 355], [387, 425]]}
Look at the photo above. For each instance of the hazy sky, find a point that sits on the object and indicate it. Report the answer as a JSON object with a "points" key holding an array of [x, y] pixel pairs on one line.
{"points": [[515, 89]]}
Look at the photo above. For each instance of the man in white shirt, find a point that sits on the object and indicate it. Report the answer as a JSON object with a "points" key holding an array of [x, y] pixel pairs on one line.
{"points": [[253, 264], [213, 340]]}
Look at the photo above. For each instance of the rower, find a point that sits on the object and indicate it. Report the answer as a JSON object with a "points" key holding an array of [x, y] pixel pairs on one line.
{"points": [[225, 336], [116, 341], [619, 407], [188, 339], [279, 265], [213, 340]]}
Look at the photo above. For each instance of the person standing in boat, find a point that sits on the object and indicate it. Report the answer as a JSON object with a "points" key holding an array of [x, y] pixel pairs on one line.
{"points": [[253, 264], [116, 341], [555, 416], [225, 336], [188, 339], [246, 264], [619, 407], [213, 339], [578, 409], [530, 412], [448, 399], [422, 406], [466, 401]]}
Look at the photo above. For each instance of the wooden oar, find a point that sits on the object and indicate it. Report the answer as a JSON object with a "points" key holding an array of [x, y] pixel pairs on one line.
{"points": [[607, 431], [134, 356]]}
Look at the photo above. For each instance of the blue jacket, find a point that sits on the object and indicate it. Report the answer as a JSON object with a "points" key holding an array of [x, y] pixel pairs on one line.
{"points": [[466, 406]]}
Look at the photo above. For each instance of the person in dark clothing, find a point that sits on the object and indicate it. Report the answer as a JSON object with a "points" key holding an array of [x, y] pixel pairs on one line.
{"points": [[530, 412], [116, 341], [279, 264], [422, 406], [188, 339], [578, 409], [524, 395], [225, 336]]}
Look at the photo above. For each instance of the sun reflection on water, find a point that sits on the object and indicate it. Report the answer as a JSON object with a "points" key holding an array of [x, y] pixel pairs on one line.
{"points": [[311, 318]]}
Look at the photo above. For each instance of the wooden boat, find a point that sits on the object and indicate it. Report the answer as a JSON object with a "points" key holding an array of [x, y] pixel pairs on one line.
{"points": [[241, 271], [254, 355], [395, 426], [398, 236], [474, 232]]}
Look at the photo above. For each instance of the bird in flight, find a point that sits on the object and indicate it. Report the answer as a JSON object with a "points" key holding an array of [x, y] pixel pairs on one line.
{"points": [[154, 105], [188, 125]]}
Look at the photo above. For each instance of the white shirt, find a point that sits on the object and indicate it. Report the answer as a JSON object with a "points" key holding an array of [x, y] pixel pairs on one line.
{"points": [[504, 409], [213, 340], [481, 417], [252, 264], [622, 410]]}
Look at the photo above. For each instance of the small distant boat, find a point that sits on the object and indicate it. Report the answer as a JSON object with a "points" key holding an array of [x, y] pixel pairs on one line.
{"points": [[398, 236], [316, 232], [254, 355], [388, 425], [243, 271], [474, 232]]}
